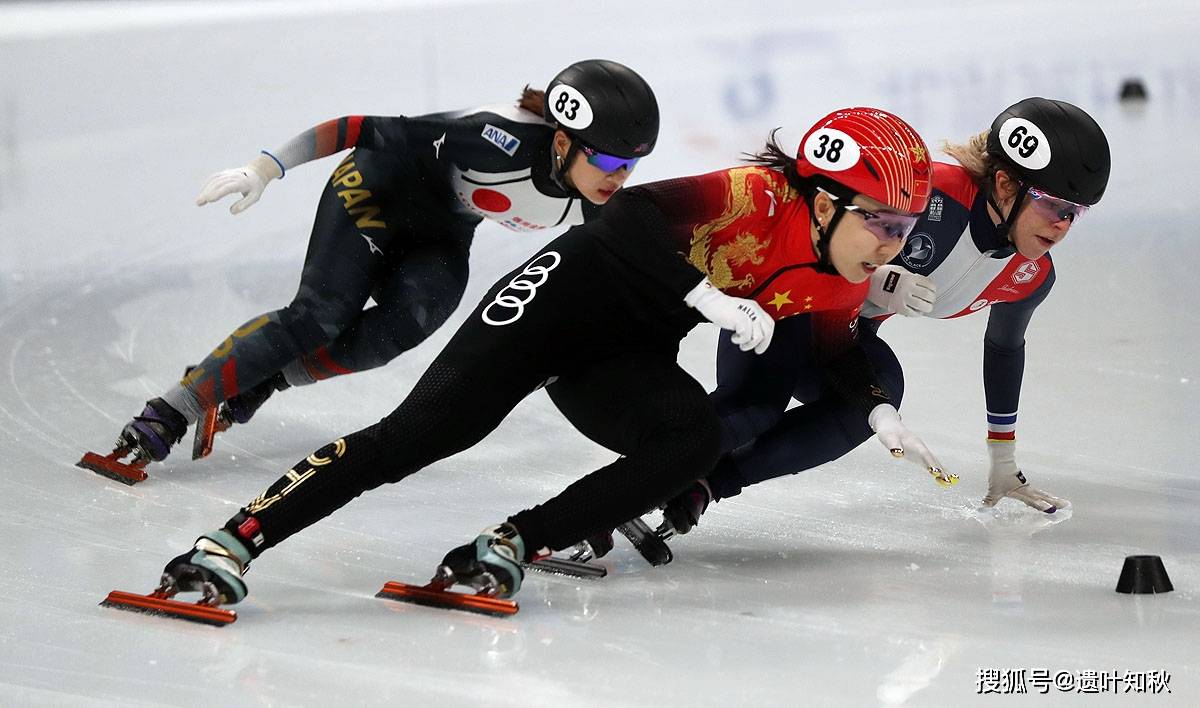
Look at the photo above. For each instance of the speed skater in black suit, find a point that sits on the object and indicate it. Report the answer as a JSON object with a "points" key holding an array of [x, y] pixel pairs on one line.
{"points": [[395, 223]]}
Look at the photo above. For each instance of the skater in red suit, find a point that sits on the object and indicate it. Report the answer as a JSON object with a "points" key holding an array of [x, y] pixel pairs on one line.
{"points": [[395, 223], [596, 317]]}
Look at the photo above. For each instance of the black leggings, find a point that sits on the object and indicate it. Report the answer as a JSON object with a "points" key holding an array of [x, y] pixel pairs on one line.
{"points": [[547, 322], [760, 440], [370, 239]]}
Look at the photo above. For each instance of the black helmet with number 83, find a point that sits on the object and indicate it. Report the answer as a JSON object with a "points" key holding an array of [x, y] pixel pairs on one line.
{"points": [[606, 105], [1053, 146]]}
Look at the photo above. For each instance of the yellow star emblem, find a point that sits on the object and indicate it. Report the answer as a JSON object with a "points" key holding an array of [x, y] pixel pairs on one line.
{"points": [[918, 153], [780, 300]]}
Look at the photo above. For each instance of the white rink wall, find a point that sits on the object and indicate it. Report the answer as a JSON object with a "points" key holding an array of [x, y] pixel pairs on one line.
{"points": [[111, 114]]}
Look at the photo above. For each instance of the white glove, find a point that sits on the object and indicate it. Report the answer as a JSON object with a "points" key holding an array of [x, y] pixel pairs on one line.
{"points": [[250, 181], [885, 421], [897, 290], [1006, 480], [752, 326]]}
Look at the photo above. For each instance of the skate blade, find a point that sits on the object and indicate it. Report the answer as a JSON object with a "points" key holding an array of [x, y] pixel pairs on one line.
{"points": [[110, 466], [432, 596], [648, 543], [568, 568], [206, 430], [157, 604]]}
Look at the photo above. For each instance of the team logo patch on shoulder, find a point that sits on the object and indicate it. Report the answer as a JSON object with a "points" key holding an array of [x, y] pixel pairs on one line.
{"points": [[501, 139], [935, 208], [1026, 272], [918, 251]]}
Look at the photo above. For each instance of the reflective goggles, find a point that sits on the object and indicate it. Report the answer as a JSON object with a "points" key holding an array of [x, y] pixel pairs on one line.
{"points": [[1053, 208], [886, 225], [605, 162]]}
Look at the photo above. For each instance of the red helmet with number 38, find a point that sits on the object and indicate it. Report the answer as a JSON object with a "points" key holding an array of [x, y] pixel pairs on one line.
{"points": [[870, 152]]}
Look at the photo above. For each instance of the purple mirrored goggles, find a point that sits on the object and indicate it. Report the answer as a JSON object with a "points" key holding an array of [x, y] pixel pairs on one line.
{"points": [[1053, 208], [886, 225], [605, 162]]}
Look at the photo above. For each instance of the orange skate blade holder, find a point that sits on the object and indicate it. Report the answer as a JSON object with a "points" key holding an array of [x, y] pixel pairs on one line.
{"points": [[110, 466], [207, 429], [436, 596], [158, 603]]}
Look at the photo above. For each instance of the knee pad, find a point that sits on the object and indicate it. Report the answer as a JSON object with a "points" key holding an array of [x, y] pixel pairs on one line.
{"points": [[315, 322], [414, 313], [430, 313]]}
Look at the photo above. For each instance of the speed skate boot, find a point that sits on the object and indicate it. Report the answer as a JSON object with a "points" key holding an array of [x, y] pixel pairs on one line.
{"points": [[600, 544], [152, 434], [213, 567], [684, 510], [237, 409], [147, 437], [491, 563], [242, 407]]}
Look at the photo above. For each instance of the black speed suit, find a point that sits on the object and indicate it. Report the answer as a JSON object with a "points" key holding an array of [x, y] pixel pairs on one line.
{"points": [[597, 315], [394, 223]]}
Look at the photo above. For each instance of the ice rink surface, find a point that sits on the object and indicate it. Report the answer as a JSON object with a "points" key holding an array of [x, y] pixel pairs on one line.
{"points": [[860, 583]]}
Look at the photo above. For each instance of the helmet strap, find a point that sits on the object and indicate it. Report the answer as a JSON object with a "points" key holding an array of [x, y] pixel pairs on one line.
{"points": [[824, 233], [1005, 226], [558, 171]]}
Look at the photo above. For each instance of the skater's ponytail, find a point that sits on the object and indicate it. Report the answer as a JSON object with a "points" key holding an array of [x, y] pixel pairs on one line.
{"points": [[974, 158], [532, 100], [776, 158]]}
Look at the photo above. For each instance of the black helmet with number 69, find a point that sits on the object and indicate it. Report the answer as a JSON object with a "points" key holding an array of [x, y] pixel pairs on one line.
{"points": [[605, 105], [1053, 146]]}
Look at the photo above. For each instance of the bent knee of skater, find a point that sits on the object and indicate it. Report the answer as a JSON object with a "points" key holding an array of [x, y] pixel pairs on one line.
{"points": [[318, 321], [430, 314], [407, 327], [695, 442]]}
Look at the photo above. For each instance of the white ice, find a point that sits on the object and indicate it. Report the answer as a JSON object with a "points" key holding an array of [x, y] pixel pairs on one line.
{"points": [[857, 584]]}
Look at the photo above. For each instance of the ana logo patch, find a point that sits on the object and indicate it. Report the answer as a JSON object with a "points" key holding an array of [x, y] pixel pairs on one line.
{"points": [[501, 139], [1026, 272], [918, 251]]}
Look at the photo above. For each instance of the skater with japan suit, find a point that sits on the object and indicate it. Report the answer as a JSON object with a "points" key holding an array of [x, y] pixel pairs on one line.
{"points": [[596, 317], [982, 244], [395, 223]]}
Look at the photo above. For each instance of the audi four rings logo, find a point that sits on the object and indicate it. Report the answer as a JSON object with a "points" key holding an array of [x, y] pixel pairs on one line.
{"points": [[509, 304]]}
